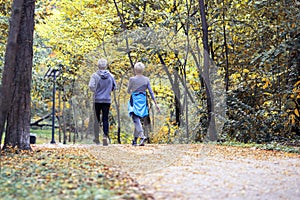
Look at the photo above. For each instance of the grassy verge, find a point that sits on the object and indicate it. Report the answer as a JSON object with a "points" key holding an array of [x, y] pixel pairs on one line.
{"points": [[44, 136], [63, 173]]}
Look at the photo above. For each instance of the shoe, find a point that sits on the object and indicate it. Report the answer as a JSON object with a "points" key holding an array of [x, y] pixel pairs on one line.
{"points": [[142, 142], [105, 142], [134, 143], [96, 141]]}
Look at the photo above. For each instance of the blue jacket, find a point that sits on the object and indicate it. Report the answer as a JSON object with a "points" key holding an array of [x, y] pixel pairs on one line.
{"points": [[138, 104]]}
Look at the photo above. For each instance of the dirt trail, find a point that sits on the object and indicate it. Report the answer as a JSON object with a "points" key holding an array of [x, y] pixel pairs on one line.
{"points": [[207, 171]]}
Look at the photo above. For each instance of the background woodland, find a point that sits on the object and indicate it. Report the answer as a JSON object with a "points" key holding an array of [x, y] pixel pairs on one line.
{"points": [[248, 91]]}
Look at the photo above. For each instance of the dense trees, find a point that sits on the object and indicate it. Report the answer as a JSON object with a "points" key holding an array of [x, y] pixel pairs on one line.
{"points": [[260, 48], [238, 71]]}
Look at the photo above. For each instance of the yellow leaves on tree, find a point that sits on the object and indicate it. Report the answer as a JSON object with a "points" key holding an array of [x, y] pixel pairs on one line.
{"points": [[293, 107], [261, 82]]}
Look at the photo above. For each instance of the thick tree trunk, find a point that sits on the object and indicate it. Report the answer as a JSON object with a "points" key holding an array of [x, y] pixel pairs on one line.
{"points": [[212, 133], [17, 75], [9, 66]]}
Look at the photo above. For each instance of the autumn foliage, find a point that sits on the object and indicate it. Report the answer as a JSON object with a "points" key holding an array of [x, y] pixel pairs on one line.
{"points": [[53, 172], [254, 65]]}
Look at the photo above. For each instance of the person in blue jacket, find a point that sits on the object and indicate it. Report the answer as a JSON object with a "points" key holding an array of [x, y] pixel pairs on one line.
{"points": [[102, 83], [137, 105]]}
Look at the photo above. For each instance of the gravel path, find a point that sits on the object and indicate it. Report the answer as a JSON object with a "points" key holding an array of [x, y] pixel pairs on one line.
{"points": [[207, 171]]}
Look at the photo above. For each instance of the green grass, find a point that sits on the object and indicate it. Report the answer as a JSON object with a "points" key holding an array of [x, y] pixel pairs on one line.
{"points": [[44, 136]]}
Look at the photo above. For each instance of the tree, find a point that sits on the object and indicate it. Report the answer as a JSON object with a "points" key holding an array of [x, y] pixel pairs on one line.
{"points": [[262, 82], [210, 105], [16, 78]]}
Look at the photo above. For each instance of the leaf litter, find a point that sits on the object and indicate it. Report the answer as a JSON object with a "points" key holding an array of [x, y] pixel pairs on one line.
{"points": [[155, 171], [63, 172], [207, 171]]}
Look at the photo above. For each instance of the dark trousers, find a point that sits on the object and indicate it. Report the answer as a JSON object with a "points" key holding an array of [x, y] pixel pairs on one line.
{"points": [[104, 109]]}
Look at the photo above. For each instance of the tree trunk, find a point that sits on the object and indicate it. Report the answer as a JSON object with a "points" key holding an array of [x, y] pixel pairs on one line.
{"points": [[118, 116], [58, 117], [2, 118], [64, 119], [177, 97], [123, 25], [17, 74], [96, 126], [9, 65], [212, 133], [226, 51]]}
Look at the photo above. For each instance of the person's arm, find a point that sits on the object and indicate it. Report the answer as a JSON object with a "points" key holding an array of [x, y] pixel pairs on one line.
{"points": [[152, 95], [114, 87], [93, 83], [129, 86]]}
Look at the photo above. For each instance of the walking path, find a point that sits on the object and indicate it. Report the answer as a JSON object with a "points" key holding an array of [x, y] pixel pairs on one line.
{"points": [[203, 171]]}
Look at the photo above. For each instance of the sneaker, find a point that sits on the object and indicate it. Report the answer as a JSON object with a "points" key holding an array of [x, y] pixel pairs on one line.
{"points": [[105, 142], [134, 143], [142, 142], [96, 141]]}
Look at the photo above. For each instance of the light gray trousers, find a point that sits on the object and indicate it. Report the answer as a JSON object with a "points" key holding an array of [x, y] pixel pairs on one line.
{"points": [[138, 128]]}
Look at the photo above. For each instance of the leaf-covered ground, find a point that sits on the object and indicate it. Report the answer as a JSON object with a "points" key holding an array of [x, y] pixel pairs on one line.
{"points": [[198, 171], [63, 172], [206, 171]]}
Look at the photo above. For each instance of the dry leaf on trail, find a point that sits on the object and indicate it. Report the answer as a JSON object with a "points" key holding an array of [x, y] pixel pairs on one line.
{"points": [[206, 171], [198, 171], [68, 172]]}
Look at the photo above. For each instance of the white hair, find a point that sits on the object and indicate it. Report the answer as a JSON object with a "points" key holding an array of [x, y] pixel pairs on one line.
{"points": [[102, 63], [139, 67]]}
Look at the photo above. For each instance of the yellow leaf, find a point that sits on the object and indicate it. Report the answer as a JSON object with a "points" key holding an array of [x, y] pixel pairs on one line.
{"points": [[235, 76], [267, 93], [229, 46], [297, 83], [246, 71], [296, 111], [265, 85], [292, 119]]}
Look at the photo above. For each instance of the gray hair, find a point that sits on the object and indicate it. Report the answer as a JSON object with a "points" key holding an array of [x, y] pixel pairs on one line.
{"points": [[102, 63], [139, 67]]}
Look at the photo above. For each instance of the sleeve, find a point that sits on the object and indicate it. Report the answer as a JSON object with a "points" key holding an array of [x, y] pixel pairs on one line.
{"points": [[150, 90], [92, 83], [114, 86], [129, 86]]}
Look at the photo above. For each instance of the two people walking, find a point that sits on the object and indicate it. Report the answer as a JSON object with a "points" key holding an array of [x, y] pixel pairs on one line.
{"points": [[102, 83]]}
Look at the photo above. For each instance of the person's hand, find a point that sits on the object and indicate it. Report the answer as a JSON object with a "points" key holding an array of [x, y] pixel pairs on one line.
{"points": [[157, 107]]}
